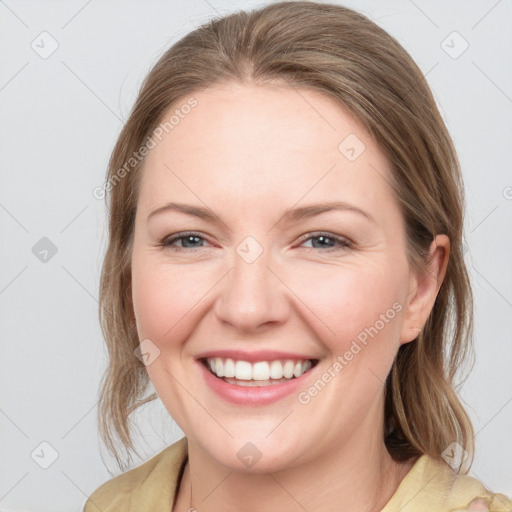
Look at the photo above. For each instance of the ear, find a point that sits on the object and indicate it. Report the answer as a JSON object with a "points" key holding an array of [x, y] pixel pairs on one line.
{"points": [[423, 289]]}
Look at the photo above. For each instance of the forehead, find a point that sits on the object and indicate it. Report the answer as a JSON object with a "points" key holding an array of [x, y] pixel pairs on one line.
{"points": [[258, 144], [234, 119]]}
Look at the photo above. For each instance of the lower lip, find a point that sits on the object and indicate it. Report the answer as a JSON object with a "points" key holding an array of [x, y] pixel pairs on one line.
{"points": [[252, 395]]}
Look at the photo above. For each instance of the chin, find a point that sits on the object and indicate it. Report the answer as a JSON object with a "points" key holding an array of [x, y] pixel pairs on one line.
{"points": [[253, 454]]}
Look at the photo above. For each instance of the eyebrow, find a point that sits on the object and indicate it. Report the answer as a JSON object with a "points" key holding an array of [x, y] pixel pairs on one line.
{"points": [[289, 216]]}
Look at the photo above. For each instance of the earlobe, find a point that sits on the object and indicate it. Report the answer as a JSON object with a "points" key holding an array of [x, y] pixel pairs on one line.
{"points": [[423, 289]]}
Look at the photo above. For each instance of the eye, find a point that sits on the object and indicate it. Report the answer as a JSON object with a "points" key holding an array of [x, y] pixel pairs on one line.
{"points": [[189, 240], [327, 241]]}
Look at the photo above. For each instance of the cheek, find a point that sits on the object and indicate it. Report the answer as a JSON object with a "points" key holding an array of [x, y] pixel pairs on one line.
{"points": [[352, 303], [165, 298]]}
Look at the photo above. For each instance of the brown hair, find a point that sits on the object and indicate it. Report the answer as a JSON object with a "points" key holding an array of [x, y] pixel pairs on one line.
{"points": [[347, 57]]}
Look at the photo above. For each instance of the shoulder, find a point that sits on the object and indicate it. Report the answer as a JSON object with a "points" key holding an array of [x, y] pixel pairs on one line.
{"points": [[470, 494], [150, 486], [432, 485]]}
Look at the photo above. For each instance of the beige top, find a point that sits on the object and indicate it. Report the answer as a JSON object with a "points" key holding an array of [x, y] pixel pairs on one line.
{"points": [[430, 486]]}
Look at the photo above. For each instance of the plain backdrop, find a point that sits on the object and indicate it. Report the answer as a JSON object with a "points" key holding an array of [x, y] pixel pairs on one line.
{"points": [[69, 74]]}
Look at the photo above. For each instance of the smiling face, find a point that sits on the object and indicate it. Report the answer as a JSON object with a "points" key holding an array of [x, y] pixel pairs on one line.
{"points": [[292, 249]]}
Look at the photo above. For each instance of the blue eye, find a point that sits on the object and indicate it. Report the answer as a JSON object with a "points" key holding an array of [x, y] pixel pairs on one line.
{"points": [[189, 241], [323, 241], [327, 241]]}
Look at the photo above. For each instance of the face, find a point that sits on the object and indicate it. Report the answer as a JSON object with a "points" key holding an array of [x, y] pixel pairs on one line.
{"points": [[269, 276]]}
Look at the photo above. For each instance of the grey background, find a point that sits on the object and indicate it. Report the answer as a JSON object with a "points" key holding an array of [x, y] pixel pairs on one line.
{"points": [[60, 116]]}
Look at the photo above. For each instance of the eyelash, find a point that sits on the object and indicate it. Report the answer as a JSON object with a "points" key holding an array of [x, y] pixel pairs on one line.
{"points": [[343, 243]]}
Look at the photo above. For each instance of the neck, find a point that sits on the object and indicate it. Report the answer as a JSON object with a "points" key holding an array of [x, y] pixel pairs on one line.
{"points": [[361, 477]]}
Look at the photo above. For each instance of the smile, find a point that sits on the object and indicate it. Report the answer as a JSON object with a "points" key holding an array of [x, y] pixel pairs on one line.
{"points": [[261, 373]]}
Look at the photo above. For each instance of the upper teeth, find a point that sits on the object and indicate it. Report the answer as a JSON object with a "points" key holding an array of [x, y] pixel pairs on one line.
{"points": [[262, 370]]}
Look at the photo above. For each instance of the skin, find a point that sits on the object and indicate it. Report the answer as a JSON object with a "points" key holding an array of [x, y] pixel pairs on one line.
{"points": [[248, 152]]}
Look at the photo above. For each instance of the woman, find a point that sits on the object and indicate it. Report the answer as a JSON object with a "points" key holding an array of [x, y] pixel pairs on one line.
{"points": [[285, 267]]}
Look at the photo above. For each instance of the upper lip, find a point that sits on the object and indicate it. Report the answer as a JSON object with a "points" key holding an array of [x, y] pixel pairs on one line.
{"points": [[255, 356]]}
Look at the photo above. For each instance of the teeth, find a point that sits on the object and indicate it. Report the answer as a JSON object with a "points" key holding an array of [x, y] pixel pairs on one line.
{"points": [[288, 369], [256, 383], [276, 370], [229, 368], [261, 371], [219, 367], [243, 370], [305, 366]]}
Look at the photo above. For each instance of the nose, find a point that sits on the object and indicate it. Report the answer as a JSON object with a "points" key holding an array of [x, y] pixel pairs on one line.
{"points": [[252, 295]]}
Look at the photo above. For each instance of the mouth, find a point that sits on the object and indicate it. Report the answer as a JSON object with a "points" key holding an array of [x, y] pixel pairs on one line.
{"points": [[259, 373]]}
